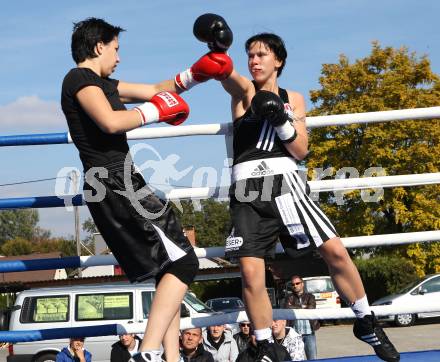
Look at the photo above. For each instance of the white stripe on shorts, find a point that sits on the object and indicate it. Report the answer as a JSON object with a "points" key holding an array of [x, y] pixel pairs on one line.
{"points": [[312, 204], [317, 219], [173, 251]]}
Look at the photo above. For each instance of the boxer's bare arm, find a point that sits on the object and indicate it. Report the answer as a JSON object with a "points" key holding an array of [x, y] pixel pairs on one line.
{"points": [[241, 90], [140, 92]]}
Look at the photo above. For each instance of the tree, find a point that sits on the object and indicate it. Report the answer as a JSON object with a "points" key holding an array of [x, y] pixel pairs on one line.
{"points": [[21, 246], [18, 223], [212, 222], [387, 79]]}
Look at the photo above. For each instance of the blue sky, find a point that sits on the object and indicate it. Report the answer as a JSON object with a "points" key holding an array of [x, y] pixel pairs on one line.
{"points": [[158, 43]]}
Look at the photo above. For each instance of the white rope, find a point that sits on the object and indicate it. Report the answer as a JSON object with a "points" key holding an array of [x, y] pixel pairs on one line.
{"points": [[351, 242], [221, 192], [312, 122], [292, 314]]}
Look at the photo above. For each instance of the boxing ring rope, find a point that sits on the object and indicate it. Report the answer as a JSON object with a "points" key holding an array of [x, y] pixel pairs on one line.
{"points": [[226, 128], [217, 319], [9, 266], [201, 193], [221, 192]]}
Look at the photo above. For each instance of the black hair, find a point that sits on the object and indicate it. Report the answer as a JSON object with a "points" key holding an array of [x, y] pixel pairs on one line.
{"points": [[274, 43], [88, 33]]}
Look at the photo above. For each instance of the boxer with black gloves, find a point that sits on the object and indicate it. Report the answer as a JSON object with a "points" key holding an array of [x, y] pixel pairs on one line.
{"points": [[267, 105], [93, 104], [213, 30], [267, 146]]}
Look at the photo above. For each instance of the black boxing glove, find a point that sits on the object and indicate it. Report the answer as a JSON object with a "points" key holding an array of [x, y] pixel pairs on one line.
{"points": [[213, 29], [267, 105]]}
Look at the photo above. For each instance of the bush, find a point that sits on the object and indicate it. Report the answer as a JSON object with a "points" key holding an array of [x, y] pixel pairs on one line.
{"points": [[385, 275]]}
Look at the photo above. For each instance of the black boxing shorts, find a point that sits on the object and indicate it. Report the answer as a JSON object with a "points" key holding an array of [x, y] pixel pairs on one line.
{"points": [[144, 235], [265, 209]]}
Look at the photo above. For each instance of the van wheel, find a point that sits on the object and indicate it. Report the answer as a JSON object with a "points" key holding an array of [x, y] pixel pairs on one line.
{"points": [[47, 357], [404, 320]]}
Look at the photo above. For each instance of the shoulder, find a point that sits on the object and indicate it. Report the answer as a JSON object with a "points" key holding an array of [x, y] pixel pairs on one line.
{"points": [[296, 99]]}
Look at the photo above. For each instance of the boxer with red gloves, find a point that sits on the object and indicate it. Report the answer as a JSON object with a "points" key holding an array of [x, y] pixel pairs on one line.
{"points": [[210, 66], [166, 107], [139, 228]]}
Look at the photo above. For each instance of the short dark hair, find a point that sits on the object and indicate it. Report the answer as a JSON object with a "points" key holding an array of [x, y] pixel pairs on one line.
{"points": [[274, 43], [296, 277], [88, 33]]}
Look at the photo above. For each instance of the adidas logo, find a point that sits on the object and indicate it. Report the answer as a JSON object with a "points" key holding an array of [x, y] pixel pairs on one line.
{"points": [[262, 170], [371, 339]]}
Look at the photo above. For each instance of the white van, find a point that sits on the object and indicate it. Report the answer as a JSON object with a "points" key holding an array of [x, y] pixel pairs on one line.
{"points": [[322, 288], [79, 306]]}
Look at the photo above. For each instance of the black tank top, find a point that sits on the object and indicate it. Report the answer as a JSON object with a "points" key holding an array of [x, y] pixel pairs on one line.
{"points": [[255, 138], [96, 148]]}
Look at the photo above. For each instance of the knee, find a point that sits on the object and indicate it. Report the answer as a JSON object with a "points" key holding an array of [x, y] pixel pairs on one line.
{"points": [[336, 255], [251, 277]]}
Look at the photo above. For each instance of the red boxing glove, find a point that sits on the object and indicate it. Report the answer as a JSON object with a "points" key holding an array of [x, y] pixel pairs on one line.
{"points": [[211, 66], [166, 107]]}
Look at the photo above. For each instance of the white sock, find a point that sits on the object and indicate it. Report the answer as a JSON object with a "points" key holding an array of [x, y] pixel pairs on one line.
{"points": [[262, 334], [361, 308]]}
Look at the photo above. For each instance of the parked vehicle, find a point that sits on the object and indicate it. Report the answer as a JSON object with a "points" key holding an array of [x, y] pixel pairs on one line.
{"points": [[229, 304], [322, 288], [423, 291], [79, 306]]}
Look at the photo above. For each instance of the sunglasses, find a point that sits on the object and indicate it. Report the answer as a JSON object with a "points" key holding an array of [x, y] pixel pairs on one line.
{"points": [[245, 324], [298, 283]]}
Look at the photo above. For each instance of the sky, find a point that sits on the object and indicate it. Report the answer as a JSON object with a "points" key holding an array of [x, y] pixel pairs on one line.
{"points": [[157, 44]]}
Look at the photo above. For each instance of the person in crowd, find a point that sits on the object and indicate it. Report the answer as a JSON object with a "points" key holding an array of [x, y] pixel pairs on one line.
{"points": [[300, 299], [251, 353], [288, 338], [191, 346], [127, 346], [219, 342], [243, 337], [74, 352]]}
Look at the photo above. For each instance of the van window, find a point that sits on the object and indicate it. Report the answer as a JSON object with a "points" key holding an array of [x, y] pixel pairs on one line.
{"points": [[45, 309], [147, 300], [319, 285], [104, 306]]}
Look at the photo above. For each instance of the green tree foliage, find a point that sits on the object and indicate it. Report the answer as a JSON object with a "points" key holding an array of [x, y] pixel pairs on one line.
{"points": [[385, 275], [21, 246], [18, 223], [89, 227], [387, 79], [212, 222]]}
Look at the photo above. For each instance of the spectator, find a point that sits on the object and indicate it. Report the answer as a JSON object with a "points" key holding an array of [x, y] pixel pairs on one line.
{"points": [[243, 337], [219, 342], [288, 338], [75, 352], [250, 354], [127, 346], [192, 347], [306, 328]]}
